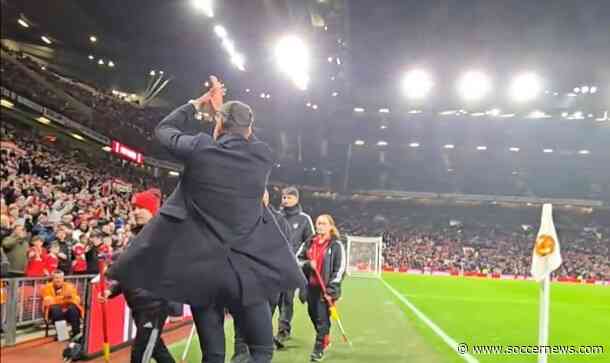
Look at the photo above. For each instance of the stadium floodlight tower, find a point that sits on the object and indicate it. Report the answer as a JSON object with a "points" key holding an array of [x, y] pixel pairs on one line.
{"points": [[525, 87], [206, 6], [417, 84], [364, 256], [474, 86], [292, 57]]}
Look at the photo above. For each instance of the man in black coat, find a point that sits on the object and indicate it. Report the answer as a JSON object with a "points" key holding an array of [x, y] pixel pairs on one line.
{"points": [[213, 245], [241, 353], [301, 231]]}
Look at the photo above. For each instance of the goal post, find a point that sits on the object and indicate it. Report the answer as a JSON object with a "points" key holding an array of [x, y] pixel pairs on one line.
{"points": [[364, 256]]}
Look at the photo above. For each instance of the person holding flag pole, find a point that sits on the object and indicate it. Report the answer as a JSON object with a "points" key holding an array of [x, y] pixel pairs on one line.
{"points": [[546, 258], [323, 261]]}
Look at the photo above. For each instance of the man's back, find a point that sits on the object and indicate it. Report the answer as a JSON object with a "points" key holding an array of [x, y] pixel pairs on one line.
{"points": [[225, 181]]}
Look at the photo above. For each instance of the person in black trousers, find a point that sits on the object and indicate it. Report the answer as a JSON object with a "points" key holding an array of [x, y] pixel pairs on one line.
{"points": [[213, 245], [301, 231], [326, 254], [241, 352], [148, 311]]}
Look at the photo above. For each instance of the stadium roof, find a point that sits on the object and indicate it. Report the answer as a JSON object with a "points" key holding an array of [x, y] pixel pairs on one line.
{"points": [[360, 52]]}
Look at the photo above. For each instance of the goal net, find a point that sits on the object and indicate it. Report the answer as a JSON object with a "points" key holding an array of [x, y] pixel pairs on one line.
{"points": [[364, 256]]}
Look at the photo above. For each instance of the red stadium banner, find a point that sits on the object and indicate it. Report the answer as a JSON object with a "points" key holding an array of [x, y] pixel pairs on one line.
{"points": [[126, 152]]}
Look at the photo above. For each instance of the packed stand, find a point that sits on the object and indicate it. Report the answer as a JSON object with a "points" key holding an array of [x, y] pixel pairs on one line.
{"points": [[110, 115], [56, 212], [423, 237]]}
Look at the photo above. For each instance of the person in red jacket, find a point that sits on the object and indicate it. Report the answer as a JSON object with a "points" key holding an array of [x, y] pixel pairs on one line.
{"points": [[51, 262], [79, 265], [325, 254], [36, 258]]}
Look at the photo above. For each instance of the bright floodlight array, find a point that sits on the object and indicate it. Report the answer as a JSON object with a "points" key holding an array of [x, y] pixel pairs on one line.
{"points": [[525, 87], [292, 58], [417, 84], [474, 86], [237, 59], [205, 6]]}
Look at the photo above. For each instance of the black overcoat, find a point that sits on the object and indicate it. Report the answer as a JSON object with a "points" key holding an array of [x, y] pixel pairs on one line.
{"points": [[212, 224]]}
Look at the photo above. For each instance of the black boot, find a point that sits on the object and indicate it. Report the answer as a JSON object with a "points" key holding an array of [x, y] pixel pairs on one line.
{"points": [[242, 354], [318, 353], [282, 336]]}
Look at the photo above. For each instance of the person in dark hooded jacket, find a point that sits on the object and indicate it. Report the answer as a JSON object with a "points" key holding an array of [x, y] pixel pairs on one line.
{"points": [[301, 230], [148, 311]]}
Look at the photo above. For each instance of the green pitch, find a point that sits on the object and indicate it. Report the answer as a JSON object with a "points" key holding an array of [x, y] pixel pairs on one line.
{"points": [[473, 311]]}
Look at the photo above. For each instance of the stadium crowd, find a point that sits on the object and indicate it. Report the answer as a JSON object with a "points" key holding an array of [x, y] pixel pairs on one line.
{"points": [[56, 211], [64, 215], [109, 114], [415, 237]]}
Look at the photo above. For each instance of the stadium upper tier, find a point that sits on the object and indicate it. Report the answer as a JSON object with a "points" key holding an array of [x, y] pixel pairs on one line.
{"points": [[557, 157]]}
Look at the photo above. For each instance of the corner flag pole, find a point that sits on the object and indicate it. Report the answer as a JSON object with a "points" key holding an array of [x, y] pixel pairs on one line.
{"points": [[546, 258], [187, 347], [543, 322]]}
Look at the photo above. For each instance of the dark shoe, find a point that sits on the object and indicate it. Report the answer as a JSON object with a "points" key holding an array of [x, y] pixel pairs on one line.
{"points": [[242, 353], [240, 357], [278, 345], [282, 336], [317, 356], [318, 353]]}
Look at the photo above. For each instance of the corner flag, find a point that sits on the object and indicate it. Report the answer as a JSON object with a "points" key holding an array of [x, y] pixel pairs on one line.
{"points": [[546, 258]]}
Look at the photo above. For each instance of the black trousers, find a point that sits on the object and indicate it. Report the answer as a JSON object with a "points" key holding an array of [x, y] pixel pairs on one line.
{"points": [[240, 342], [253, 322], [318, 313], [71, 315], [286, 306], [148, 342]]}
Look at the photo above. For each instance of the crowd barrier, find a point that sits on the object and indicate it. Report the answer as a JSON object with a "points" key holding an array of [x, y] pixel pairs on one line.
{"points": [[21, 305], [22, 302]]}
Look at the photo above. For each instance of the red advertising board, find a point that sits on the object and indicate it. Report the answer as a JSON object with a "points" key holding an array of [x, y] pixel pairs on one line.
{"points": [[126, 152]]}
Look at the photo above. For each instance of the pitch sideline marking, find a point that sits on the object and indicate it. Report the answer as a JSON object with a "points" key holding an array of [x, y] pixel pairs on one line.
{"points": [[435, 328]]}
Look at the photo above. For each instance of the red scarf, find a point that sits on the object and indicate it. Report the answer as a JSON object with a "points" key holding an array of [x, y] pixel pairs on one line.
{"points": [[317, 251]]}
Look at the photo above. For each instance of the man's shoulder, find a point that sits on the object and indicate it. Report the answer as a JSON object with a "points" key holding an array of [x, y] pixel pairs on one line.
{"points": [[304, 217], [232, 145]]}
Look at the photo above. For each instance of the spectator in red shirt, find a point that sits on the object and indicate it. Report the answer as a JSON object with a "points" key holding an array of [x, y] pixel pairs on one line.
{"points": [[79, 265], [52, 259], [36, 258]]}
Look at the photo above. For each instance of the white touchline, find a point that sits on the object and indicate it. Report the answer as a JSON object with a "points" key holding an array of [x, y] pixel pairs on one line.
{"points": [[446, 338]]}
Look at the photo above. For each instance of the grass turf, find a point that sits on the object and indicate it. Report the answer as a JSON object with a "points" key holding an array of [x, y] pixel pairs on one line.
{"points": [[470, 310]]}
